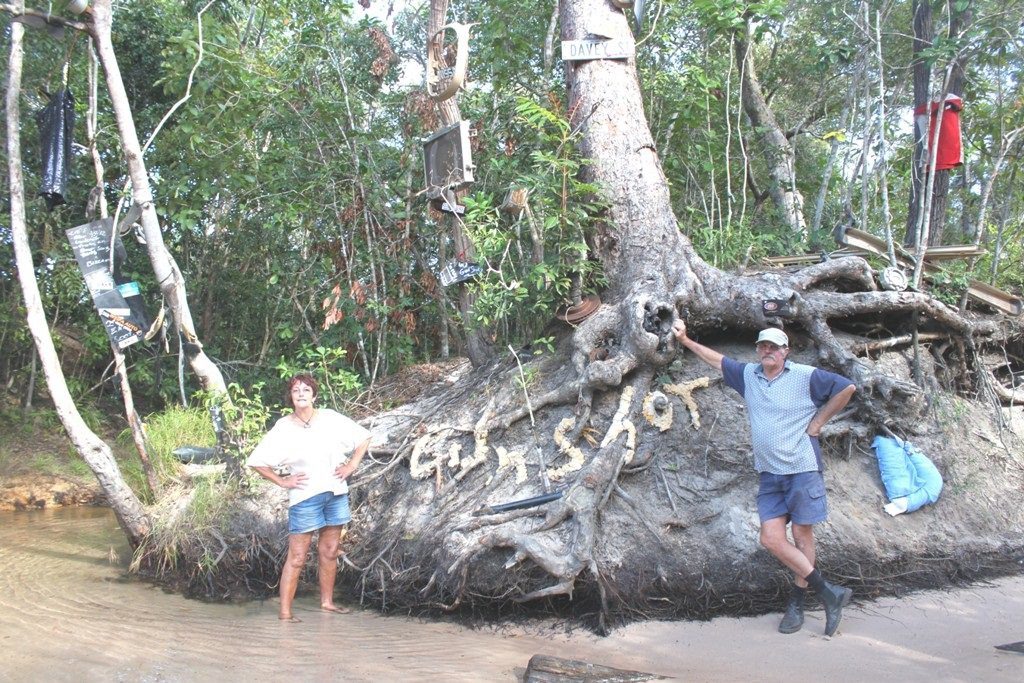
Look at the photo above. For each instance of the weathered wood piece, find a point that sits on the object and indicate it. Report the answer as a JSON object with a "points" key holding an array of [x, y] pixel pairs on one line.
{"points": [[977, 290], [547, 669]]}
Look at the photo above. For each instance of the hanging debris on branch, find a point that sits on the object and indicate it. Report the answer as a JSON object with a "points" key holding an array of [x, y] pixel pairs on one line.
{"points": [[56, 129]]}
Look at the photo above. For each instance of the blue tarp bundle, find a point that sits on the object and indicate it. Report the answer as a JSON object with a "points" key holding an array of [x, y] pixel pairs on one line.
{"points": [[906, 473]]}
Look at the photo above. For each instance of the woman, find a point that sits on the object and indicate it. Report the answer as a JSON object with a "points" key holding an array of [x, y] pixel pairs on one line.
{"points": [[318, 448]]}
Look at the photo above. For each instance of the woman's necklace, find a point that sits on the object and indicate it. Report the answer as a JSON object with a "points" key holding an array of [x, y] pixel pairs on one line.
{"points": [[305, 423]]}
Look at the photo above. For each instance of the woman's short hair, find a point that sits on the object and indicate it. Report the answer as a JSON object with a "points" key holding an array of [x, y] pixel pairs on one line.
{"points": [[300, 377]]}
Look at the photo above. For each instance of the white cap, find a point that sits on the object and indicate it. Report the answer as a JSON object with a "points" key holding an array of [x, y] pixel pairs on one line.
{"points": [[773, 335]]}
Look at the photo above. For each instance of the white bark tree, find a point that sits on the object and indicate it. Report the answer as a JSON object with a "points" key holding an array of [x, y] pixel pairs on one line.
{"points": [[127, 508], [168, 275]]}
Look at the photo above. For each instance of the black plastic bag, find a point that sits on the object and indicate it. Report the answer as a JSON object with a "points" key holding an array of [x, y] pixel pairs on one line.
{"points": [[56, 128]]}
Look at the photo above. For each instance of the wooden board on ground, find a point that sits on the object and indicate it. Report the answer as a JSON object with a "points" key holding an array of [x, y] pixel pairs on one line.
{"points": [[547, 669]]}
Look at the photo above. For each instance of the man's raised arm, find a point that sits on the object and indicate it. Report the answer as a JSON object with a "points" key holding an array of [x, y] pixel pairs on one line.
{"points": [[709, 356]]}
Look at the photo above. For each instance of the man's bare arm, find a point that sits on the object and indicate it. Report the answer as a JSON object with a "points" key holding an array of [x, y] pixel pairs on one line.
{"points": [[709, 356], [829, 410]]}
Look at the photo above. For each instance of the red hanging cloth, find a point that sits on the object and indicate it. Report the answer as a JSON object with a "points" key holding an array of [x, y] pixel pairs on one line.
{"points": [[950, 153]]}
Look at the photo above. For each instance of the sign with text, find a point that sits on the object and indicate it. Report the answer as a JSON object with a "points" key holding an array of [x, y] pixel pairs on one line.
{"points": [[448, 208], [577, 50], [457, 272], [118, 301]]}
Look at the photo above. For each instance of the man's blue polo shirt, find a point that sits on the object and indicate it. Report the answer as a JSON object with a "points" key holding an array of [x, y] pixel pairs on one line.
{"points": [[780, 410]]}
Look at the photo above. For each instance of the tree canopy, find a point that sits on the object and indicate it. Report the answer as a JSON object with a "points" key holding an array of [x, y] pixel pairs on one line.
{"points": [[289, 183]]}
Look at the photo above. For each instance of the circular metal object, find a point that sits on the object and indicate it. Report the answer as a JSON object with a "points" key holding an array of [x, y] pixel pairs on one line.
{"points": [[893, 279], [574, 315]]}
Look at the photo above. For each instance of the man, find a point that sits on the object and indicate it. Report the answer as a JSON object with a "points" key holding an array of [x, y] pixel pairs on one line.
{"points": [[787, 405]]}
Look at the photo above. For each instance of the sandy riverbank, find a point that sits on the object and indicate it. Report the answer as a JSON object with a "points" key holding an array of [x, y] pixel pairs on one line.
{"points": [[69, 615]]}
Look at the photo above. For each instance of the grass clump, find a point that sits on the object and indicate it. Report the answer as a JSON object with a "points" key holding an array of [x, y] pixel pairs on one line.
{"points": [[189, 520], [164, 431]]}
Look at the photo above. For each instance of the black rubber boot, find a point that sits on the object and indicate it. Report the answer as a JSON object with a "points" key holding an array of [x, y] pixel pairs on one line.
{"points": [[793, 619], [834, 598]]}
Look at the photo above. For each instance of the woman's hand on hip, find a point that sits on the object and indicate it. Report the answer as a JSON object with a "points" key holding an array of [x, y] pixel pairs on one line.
{"points": [[343, 471], [293, 481]]}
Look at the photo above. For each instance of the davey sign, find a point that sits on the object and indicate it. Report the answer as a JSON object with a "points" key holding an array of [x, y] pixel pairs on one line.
{"points": [[578, 50]]}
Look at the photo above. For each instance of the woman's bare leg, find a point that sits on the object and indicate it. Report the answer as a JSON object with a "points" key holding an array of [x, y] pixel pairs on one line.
{"points": [[327, 549], [298, 546]]}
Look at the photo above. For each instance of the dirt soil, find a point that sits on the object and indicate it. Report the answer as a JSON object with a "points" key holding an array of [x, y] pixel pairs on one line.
{"points": [[35, 491], [24, 486]]}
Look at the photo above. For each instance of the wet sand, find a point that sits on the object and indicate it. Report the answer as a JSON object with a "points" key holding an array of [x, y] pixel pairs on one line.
{"points": [[68, 615]]}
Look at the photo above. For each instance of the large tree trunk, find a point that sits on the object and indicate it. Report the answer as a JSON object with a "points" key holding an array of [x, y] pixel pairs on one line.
{"points": [[593, 406], [960, 21], [94, 451], [633, 511], [922, 24], [172, 284], [778, 152]]}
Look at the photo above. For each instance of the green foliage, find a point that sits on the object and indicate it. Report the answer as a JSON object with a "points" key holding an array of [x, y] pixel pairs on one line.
{"points": [[211, 497], [732, 15], [949, 284], [736, 243], [289, 183], [246, 412], [337, 384], [518, 289]]}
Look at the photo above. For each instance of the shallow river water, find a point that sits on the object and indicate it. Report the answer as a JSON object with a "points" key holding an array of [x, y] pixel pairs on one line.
{"points": [[67, 613]]}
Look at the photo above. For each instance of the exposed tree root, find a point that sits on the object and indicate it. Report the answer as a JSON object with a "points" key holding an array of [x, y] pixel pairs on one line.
{"points": [[643, 488]]}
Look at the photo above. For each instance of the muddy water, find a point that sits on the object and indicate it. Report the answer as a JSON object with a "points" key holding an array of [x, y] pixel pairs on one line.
{"points": [[67, 613]]}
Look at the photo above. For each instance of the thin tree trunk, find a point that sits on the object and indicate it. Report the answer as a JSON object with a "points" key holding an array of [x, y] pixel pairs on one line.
{"points": [[127, 508], [549, 40], [134, 422], [778, 152], [479, 347], [883, 164], [167, 274], [997, 248], [31, 390], [923, 31]]}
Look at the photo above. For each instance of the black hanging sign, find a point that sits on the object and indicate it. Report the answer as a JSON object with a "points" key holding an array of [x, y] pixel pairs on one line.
{"points": [[457, 272], [118, 300]]}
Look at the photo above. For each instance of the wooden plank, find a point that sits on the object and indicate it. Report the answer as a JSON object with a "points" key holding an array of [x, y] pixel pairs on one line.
{"points": [[995, 297], [977, 290], [796, 259], [985, 293], [953, 251], [876, 245], [547, 669]]}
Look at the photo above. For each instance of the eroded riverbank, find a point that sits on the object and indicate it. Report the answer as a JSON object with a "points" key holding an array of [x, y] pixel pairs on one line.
{"points": [[70, 615]]}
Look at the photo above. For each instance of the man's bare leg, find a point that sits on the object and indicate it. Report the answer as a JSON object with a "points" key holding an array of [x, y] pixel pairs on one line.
{"points": [[803, 537], [775, 541]]}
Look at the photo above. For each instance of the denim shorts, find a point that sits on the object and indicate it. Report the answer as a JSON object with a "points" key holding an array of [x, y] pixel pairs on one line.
{"points": [[323, 509], [798, 497]]}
